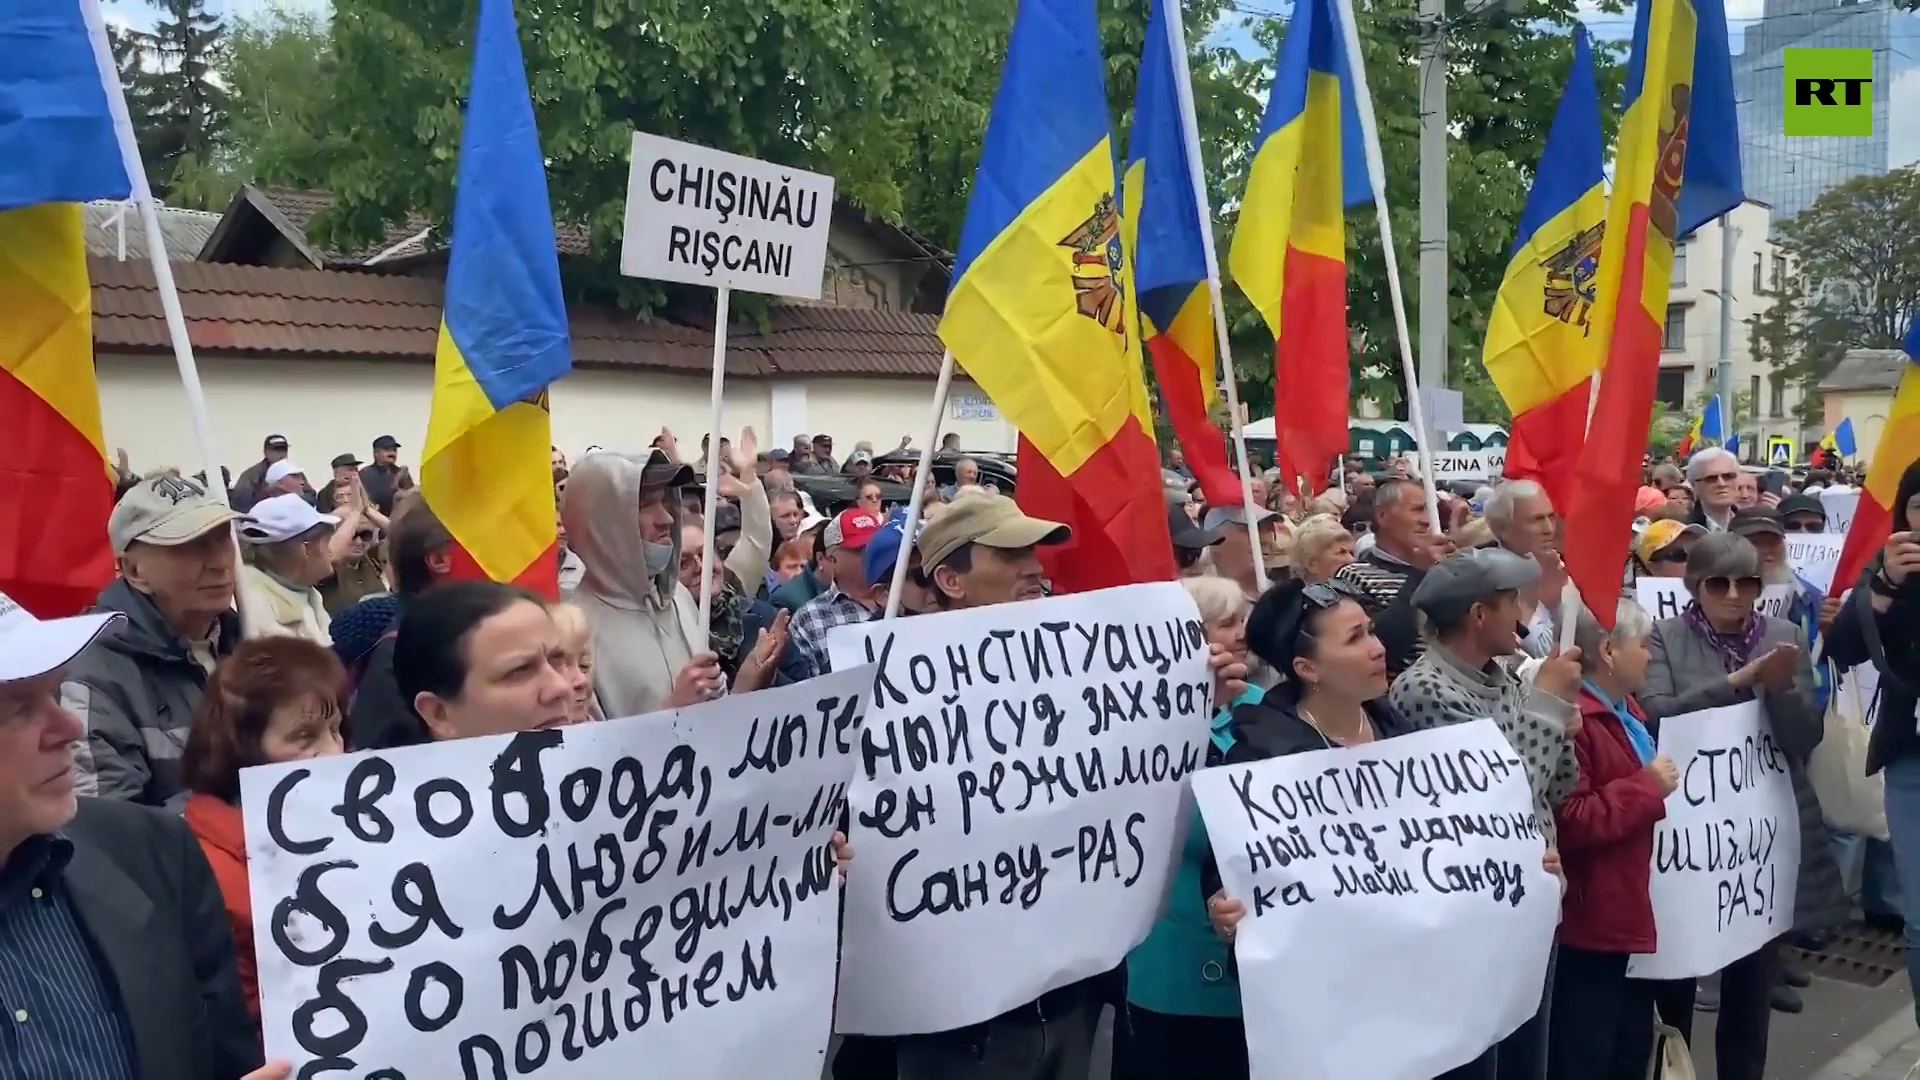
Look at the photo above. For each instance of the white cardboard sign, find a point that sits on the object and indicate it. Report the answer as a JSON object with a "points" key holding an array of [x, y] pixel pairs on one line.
{"points": [[1726, 859], [658, 889], [1840, 506], [1815, 556], [706, 217], [1406, 874], [1450, 465], [1666, 598], [1020, 799]]}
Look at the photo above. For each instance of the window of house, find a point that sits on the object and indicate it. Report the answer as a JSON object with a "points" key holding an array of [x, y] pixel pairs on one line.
{"points": [[1777, 396], [1671, 388], [1673, 337], [1779, 273], [1753, 393], [1759, 264], [1680, 265]]}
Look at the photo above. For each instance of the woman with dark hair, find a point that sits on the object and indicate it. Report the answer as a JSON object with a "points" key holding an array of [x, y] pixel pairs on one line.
{"points": [[1880, 625], [275, 699], [1723, 651], [482, 658], [1332, 692]]}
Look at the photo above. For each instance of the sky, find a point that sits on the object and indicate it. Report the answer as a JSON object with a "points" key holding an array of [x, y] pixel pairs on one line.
{"points": [[142, 16]]}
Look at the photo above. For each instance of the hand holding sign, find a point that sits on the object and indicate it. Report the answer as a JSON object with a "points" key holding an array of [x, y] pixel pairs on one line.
{"points": [[1225, 913], [1229, 675], [1666, 775]]}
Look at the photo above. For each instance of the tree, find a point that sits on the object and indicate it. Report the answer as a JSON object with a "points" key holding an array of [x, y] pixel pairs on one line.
{"points": [[277, 70], [1856, 276], [184, 111]]}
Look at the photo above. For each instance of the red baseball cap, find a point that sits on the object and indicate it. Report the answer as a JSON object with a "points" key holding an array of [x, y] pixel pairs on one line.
{"points": [[851, 529]]}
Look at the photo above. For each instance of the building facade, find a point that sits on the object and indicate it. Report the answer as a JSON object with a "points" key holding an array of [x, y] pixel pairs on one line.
{"points": [[1690, 345], [1789, 174]]}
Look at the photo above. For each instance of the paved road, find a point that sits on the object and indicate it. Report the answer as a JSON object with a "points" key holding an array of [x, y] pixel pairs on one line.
{"points": [[1847, 1032]]}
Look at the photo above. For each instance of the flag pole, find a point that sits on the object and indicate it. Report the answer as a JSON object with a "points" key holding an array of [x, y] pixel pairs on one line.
{"points": [[723, 297], [141, 194], [1190, 132], [1377, 179], [921, 470]]}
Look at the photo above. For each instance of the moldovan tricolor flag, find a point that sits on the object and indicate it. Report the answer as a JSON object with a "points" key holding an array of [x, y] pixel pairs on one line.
{"points": [[1677, 165], [1165, 219], [1289, 251], [57, 150], [1899, 449], [487, 471], [1041, 313], [1539, 349]]}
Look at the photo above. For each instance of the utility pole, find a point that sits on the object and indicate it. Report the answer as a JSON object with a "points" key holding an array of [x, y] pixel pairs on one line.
{"points": [[1723, 376], [1432, 337]]}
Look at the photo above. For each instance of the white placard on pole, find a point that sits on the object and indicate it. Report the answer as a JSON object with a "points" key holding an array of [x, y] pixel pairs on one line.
{"points": [[1407, 874], [1020, 799], [706, 217], [1726, 859], [1451, 465], [657, 889], [1840, 506], [1666, 598], [1815, 556]]}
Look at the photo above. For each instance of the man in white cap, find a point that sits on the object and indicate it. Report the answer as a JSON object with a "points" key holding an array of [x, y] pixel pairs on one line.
{"points": [[137, 691], [116, 956], [286, 478]]}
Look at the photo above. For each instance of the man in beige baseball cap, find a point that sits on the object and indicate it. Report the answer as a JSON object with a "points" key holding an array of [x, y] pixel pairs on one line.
{"points": [[981, 551], [138, 687]]}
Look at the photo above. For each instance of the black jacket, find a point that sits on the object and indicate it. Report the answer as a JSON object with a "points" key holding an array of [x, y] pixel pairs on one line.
{"points": [[1891, 643], [146, 897]]}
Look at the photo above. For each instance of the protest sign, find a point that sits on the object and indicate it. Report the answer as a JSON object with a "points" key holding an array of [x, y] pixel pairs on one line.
{"points": [[1815, 556], [659, 889], [1840, 506], [1726, 858], [1405, 874], [706, 217], [1666, 598], [1020, 798]]}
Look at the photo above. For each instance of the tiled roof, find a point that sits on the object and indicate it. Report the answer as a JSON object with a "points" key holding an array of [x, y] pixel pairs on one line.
{"points": [[1867, 369], [339, 314], [185, 231], [401, 239]]}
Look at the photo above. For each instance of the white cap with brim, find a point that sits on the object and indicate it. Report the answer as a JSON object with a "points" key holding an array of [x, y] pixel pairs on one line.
{"points": [[166, 510], [282, 469], [30, 647], [283, 517]]}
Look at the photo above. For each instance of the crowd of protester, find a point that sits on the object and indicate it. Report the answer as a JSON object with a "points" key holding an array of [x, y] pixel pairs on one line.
{"points": [[283, 620]]}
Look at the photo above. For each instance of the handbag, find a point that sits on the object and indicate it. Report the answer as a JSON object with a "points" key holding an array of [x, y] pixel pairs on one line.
{"points": [[1850, 800], [1671, 1058]]}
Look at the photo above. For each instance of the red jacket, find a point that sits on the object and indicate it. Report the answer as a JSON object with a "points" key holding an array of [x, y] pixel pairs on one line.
{"points": [[1606, 837], [221, 831]]}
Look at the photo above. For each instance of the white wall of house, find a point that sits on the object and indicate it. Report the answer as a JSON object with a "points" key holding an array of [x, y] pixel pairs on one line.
{"points": [[329, 407]]}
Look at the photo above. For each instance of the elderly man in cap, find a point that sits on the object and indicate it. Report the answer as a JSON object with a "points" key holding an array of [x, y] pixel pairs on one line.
{"points": [[982, 551], [1471, 602], [1191, 542], [1233, 556], [384, 478], [137, 690], [116, 957], [247, 487]]}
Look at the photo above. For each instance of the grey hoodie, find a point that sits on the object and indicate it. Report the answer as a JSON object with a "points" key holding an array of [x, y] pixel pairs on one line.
{"points": [[645, 625]]}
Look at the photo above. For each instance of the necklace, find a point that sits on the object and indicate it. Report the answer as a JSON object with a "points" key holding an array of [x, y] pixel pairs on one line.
{"points": [[1362, 734]]}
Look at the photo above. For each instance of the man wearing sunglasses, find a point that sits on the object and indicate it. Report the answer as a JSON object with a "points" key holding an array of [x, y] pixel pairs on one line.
{"points": [[1714, 475], [1803, 514]]}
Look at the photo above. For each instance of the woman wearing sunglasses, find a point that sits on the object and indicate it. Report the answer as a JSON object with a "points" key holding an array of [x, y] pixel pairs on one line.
{"points": [[1722, 651]]}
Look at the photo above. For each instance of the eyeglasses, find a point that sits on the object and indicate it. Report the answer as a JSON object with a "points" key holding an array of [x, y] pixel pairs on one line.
{"points": [[1719, 478], [1804, 526], [1730, 586], [1669, 555], [1326, 594]]}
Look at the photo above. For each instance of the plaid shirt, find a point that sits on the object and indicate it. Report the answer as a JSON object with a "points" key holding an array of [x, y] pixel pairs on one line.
{"points": [[817, 616]]}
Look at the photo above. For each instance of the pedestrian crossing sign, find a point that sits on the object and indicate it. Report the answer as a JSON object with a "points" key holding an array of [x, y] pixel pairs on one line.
{"points": [[1779, 451]]}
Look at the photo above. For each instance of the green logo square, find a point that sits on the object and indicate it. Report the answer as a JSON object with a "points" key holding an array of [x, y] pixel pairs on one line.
{"points": [[1828, 91]]}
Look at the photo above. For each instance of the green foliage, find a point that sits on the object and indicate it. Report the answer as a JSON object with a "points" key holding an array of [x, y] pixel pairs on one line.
{"points": [[179, 111], [1855, 281]]}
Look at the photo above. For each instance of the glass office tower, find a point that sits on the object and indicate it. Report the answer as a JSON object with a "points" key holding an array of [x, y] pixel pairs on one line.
{"points": [[1790, 173]]}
